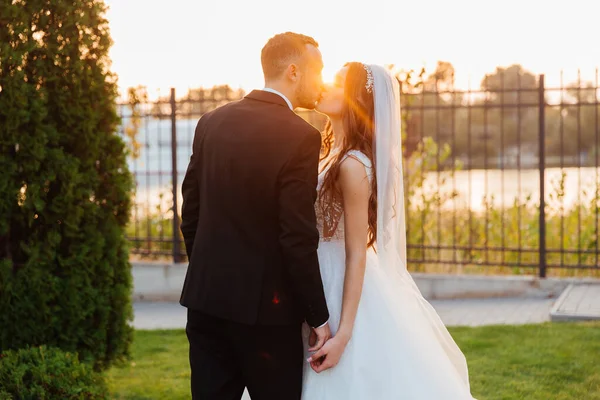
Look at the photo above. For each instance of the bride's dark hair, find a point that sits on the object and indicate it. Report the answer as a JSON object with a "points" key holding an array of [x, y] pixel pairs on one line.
{"points": [[358, 115]]}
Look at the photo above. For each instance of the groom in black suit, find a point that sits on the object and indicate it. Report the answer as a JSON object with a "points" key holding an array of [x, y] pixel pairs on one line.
{"points": [[249, 227]]}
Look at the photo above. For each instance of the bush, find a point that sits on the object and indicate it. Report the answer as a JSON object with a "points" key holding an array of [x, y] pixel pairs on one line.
{"points": [[65, 188], [48, 373]]}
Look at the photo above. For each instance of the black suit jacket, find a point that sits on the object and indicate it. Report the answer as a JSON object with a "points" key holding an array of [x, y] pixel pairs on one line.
{"points": [[248, 217]]}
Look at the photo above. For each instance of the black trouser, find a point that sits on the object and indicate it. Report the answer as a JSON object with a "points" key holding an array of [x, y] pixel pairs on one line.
{"points": [[226, 357]]}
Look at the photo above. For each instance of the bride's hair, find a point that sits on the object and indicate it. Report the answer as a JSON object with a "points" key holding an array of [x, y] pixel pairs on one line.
{"points": [[358, 116]]}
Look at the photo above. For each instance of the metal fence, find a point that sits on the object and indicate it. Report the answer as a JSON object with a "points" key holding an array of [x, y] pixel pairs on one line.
{"points": [[505, 176]]}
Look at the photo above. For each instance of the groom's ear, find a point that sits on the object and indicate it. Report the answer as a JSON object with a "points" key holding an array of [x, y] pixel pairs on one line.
{"points": [[292, 72]]}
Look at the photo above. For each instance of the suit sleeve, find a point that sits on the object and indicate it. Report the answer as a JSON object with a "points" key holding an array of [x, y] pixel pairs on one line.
{"points": [[190, 207], [299, 237]]}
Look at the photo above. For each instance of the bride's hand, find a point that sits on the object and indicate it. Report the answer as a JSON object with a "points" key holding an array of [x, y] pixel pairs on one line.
{"points": [[329, 355]]}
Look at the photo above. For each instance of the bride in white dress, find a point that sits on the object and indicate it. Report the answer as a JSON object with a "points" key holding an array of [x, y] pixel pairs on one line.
{"points": [[389, 343]]}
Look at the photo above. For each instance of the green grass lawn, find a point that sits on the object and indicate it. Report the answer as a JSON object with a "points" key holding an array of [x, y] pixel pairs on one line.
{"points": [[545, 362]]}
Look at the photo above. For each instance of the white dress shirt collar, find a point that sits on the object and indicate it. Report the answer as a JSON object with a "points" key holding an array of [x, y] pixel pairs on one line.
{"points": [[289, 103]]}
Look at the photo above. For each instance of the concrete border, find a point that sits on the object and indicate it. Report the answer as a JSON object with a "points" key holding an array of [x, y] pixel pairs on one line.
{"points": [[157, 281], [449, 286], [162, 281]]}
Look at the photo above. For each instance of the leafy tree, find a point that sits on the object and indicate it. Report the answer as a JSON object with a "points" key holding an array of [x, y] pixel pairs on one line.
{"points": [[65, 189]]}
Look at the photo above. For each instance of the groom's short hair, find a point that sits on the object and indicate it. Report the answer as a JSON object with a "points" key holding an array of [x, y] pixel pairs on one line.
{"points": [[280, 50]]}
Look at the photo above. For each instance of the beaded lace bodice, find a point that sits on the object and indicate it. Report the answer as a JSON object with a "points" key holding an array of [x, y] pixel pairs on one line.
{"points": [[330, 221]]}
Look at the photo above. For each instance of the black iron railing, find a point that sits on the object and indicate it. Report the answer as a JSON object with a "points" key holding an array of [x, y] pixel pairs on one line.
{"points": [[505, 176]]}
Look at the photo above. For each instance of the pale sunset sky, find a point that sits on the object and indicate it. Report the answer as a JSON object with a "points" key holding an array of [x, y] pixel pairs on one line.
{"points": [[192, 43]]}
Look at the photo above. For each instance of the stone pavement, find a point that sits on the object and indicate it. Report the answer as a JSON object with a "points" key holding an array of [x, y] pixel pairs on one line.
{"points": [[493, 311], [460, 312], [580, 301]]}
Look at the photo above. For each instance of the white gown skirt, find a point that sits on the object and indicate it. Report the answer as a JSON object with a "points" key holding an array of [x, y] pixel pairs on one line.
{"points": [[399, 349]]}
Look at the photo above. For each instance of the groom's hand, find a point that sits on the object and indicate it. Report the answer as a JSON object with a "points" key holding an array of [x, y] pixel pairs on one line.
{"points": [[322, 335], [312, 339]]}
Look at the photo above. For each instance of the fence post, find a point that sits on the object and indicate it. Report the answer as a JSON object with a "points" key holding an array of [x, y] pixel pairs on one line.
{"points": [[176, 241], [542, 173]]}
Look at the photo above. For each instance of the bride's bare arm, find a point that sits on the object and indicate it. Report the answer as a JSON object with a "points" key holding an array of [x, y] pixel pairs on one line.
{"points": [[354, 185]]}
